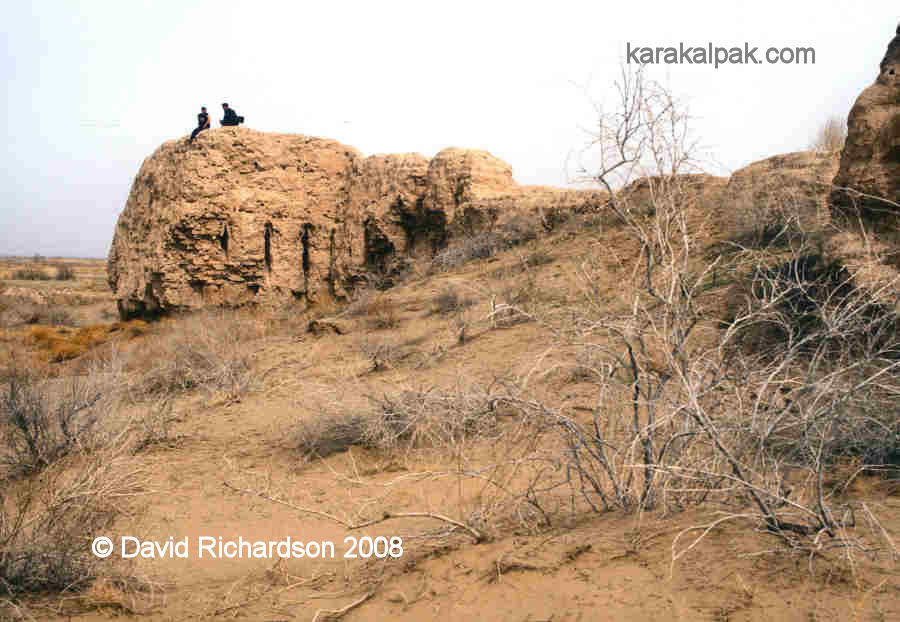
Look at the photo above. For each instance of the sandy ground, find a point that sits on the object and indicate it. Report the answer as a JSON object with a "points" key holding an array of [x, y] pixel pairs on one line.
{"points": [[609, 566]]}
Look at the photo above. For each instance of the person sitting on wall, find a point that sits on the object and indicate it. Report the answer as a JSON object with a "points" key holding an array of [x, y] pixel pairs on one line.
{"points": [[231, 117], [202, 123]]}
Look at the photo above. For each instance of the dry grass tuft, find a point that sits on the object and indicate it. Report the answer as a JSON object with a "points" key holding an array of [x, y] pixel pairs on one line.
{"points": [[57, 344], [377, 309], [206, 350], [401, 421], [382, 314]]}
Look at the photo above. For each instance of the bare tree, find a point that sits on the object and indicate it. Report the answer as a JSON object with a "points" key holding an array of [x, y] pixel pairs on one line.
{"points": [[709, 415], [831, 136]]}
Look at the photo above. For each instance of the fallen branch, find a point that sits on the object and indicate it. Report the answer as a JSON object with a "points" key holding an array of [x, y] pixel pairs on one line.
{"points": [[336, 614], [477, 535], [242, 604]]}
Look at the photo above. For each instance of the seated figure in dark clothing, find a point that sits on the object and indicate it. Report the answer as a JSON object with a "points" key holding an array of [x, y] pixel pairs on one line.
{"points": [[231, 117], [202, 123]]}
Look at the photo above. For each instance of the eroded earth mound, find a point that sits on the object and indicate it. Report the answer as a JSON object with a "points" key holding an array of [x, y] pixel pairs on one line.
{"points": [[242, 215], [870, 161]]}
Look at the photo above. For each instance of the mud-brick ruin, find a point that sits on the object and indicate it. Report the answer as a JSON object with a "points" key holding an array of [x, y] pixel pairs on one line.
{"points": [[242, 216]]}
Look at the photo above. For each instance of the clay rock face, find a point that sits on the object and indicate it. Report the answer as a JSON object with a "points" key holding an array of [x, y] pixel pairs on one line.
{"points": [[244, 216], [476, 192], [384, 215], [870, 161], [457, 177], [236, 215]]}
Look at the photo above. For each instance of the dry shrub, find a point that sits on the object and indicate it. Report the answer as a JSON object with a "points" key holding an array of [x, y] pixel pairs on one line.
{"points": [[700, 420], [770, 221], [382, 272], [31, 273], [153, 425], [377, 309], [382, 314], [522, 227], [205, 350], [402, 421], [808, 314], [449, 300], [538, 257], [43, 420], [466, 249], [446, 301], [16, 312], [65, 272], [554, 218], [359, 302], [517, 301], [47, 522], [831, 136], [589, 365], [461, 322], [432, 418], [330, 434], [383, 353]]}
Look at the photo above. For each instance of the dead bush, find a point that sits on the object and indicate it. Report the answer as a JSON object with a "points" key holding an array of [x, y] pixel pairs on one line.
{"points": [[431, 418], [64, 272], [382, 314], [519, 229], [553, 218], [387, 272], [15, 312], [382, 353], [378, 311], [31, 273], [831, 136], [449, 300], [359, 302], [206, 350], [589, 365], [446, 301], [842, 347], [330, 434], [402, 421], [538, 257], [524, 226], [466, 249], [47, 523], [461, 322], [702, 421], [517, 301], [153, 425], [764, 222], [44, 420]]}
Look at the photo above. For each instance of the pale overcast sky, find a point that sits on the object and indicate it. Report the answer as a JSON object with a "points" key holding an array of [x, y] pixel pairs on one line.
{"points": [[94, 87]]}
